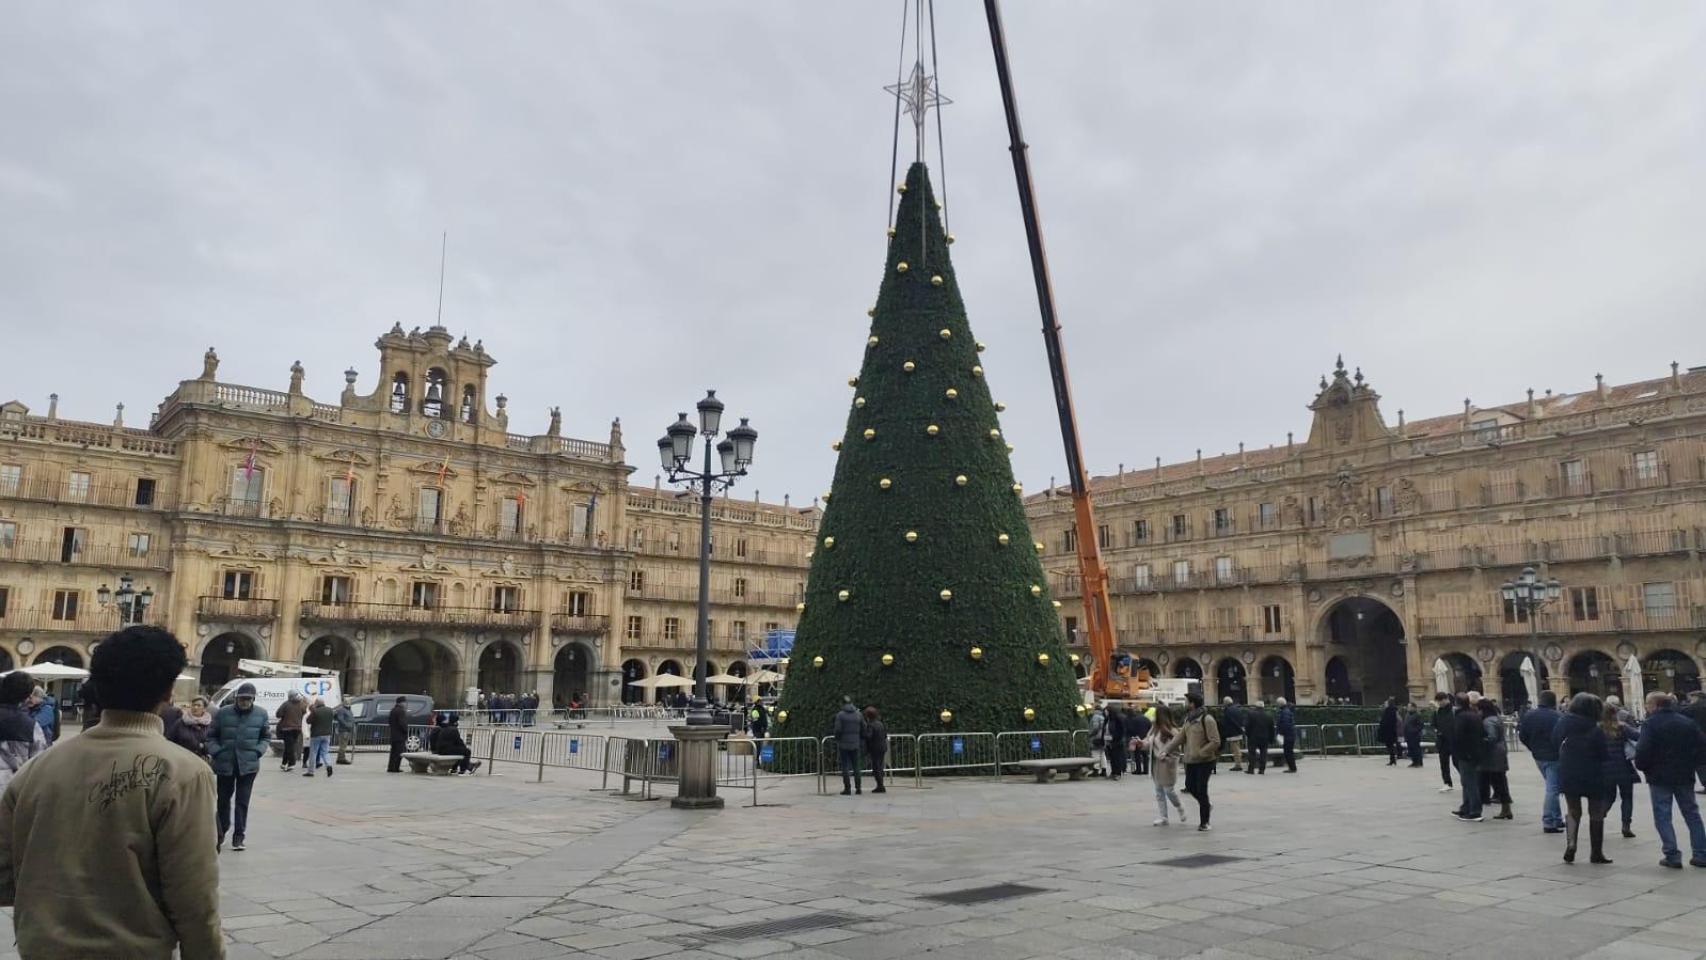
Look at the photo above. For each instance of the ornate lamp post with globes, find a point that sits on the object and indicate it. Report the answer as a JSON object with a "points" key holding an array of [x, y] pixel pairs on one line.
{"points": [[132, 606], [1530, 594], [734, 453]]}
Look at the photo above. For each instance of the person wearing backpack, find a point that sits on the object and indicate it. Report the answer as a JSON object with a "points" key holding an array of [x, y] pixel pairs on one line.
{"points": [[1202, 749], [1098, 742]]}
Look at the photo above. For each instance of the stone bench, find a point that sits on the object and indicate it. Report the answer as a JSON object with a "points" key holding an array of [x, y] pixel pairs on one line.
{"points": [[435, 763], [1073, 767]]}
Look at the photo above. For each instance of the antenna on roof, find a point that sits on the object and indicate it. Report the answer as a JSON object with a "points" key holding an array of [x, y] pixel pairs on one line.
{"points": [[443, 245]]}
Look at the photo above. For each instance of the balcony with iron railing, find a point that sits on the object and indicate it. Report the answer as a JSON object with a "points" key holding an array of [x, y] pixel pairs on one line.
{"points": [[236, 610], [1605, 619], [89, 618], [86, 555], [403, 614], [579, 623], [46, 490]]}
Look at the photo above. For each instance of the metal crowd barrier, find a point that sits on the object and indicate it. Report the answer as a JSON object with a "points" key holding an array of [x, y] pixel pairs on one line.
{"points": [[964, 752], [1341, 737], [1081, 743], [1014, 746], [1308, 739]]}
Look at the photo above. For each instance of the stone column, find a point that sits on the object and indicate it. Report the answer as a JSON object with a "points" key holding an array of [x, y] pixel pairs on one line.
{"points": [[696, 763], [1418, 677]]}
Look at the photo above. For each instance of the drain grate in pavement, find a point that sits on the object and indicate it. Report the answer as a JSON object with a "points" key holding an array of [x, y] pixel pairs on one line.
{"points": [[773, 928], [1000, 891], [1196, 860]]}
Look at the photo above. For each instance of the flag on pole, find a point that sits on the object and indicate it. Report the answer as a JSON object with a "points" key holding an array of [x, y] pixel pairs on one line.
{"points": [[249, 461], [443, 468], [521, 498], [349, 472]]}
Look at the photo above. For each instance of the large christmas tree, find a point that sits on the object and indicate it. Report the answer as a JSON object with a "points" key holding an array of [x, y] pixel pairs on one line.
{"points": [[926, 597]]}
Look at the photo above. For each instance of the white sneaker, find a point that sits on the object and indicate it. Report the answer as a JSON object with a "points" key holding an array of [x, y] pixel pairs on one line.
{"points": [[1447, 789]]}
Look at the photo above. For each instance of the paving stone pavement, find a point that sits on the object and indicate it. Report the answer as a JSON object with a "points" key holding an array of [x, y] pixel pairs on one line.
{"points": [[1348, 858]]}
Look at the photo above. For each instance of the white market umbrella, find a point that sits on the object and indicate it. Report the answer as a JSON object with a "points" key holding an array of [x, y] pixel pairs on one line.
{"points": [[52, 671], [1634, 687], [763, 676], [667, 680], [725, 679], [1442, 676], [1530, 681]]}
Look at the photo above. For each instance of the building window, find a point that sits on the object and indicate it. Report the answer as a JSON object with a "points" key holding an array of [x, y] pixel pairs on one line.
{"points": [[672, 628], [335, 590], [1515, 612], [1071, 629], [1102, 536], [1140, 531], [1222, 521], [770, 625], [579, 603], [429, 506], [400, 393], [636, 625], [237, 585], [1225, 618], [1181, 526], [138, 545], [432, 404], [1140, 575], [76, 486], [1485, 430], [674, 541], [339, 496], [506, 599], [636, 581], [737, 631], [247, 482], [580, 520], [740, 547], [145, 492], [1658, 599], [469, 407], [637, 538], [740, 586], [710, 630], [1584, 603], [800, 590], [423, 595], [65, 604], [1573, 475], [1271, 622], [1069, 541], [71, 542], [1268, 516], [1317, 514], [1647, 465], [5, 595], [11, 477], [509, 517], [8, 534], [1383, 504], [1223, 569], [1181, 572]]}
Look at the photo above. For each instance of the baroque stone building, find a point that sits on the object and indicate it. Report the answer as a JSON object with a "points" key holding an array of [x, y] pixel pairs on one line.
{"points": [[1345, 565], [404, 537]]}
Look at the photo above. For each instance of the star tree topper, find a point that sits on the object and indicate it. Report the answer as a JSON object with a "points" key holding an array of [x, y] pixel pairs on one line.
{"points": [[919, 93]]}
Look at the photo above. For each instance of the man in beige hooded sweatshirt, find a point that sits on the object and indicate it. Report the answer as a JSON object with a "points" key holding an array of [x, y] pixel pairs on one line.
{"points": [[106, 841]]}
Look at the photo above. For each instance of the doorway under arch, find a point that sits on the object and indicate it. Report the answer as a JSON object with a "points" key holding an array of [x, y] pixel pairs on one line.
{"points": [[1368, 637], [1144, 663], [1465, 673], [421, 666], [1593, 672], [571, 674], [62, 655], [6, 661], [1513, 692], [1229, 680], [633, 670], [332, 653], [1276, 679], [219, 659], [500, 668], [1338, 680], [1671, 671], [1187, 669]]}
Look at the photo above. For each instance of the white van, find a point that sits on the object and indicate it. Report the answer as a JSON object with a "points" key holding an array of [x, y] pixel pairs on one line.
{"points": [[274, 681]]}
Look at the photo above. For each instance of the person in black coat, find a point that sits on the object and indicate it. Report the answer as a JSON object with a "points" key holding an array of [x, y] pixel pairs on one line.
{"points": [[1232, 730], [1413, 735], [1387, 733], [1444, 719], [1117, 737], [1535, 732], [1137, 727], [876, 738], [1468, 744], [1258, 739], [1581, 773], [1620, 777], [399, 723], [447, 741], [1671, 748], [1696, 711]]}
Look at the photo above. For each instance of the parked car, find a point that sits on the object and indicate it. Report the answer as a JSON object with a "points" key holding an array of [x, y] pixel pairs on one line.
{"points": [[373, 712]]}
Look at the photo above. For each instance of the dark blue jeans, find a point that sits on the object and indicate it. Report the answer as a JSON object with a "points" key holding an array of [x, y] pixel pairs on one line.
{"points": [[850, 770], [1683, 797], [240, 786], [1470, 776]]}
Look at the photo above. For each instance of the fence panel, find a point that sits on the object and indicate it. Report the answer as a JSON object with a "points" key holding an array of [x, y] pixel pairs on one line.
{"points": [[1081, 743], [1016, 745], [1340, 737], [737, 766], [1308, 739], [902, 757], [961, 753], [1366, 734]]}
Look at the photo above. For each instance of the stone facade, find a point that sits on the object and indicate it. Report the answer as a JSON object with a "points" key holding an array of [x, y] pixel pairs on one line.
{"points": [[1346, 565], [403, 536]]}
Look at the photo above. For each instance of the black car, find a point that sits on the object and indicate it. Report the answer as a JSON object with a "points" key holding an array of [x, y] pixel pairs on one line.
{"points": [[373, 716]]}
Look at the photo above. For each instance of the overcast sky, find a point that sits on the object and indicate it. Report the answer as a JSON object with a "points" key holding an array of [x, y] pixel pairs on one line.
{"points": [[648, 199]]}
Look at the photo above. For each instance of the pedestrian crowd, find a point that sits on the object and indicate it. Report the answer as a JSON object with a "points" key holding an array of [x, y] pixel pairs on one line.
{"points": [[508, 709]]}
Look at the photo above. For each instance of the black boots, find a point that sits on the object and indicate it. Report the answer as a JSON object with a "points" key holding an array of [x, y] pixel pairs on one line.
{"points": [[1596, 837], [1504, 812]]}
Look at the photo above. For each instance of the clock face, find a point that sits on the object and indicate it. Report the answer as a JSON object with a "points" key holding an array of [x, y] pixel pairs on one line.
{"points": [[437, 429]]}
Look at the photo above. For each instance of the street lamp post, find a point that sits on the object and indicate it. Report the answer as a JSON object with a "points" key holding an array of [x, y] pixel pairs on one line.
{"points": [[675, 450], [132, 606], [1529, 594]]}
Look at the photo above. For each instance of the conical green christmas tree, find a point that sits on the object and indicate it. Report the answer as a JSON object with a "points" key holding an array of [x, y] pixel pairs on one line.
{"points": [[926, 593]]}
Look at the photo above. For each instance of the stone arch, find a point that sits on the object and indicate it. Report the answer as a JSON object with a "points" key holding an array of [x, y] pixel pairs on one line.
{"points": [[62, 654], [7, 661], [1276, 678], [1187, 668], [434, 396], [421, 665], [1513, 692], [500, 667], [1144, 663], [571, 672], [1595, 672], [219, 655], [1367, 635], [1229, 680], [632, 670], [1465, 672], [399, 402], [1671, 671], [332, 652], [1338, 680]]}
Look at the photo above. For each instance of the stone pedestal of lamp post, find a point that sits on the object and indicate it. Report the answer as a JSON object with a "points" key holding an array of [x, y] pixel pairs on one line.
{"points": [[697, 765]]}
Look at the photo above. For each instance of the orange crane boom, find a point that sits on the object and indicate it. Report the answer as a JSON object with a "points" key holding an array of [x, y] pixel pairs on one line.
{"points": [[1110, 673]]}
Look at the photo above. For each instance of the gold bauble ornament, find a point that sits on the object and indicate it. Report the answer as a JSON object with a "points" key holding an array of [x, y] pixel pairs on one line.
{"points": [[1030, 714], [1019, 488], [952, 394], [977, 653], [829, 543], [1002, 539], [1036, 591], [810, 554], [938, 204], [1056, 604], [945, 333], [884, 483], [825, 497], [1000, 407], [900, 267], [980, 346], [950, 238], [888, 659], [844, 596], [960, 480], [912, 536], [891, 231], [901, 188], [1039, 545], [994, 434], [1042, 659], [977, 371], [835, 445], [817, 661], [871, 312], [859, 402], [853, 381], [870, 434], [946, 716], [781, 716], [1009, 448], [872, 341], [932, 430], [1081, 709], [909, 366], [800, 607], [946, 595], [936, 280], [1075, 658]]}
